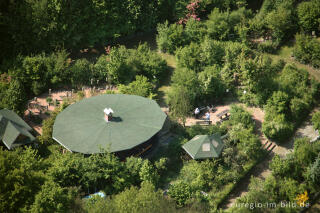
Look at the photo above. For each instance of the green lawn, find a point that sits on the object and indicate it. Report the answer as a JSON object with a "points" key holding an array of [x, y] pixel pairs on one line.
{"points": [[285, 54], [165, 85]]}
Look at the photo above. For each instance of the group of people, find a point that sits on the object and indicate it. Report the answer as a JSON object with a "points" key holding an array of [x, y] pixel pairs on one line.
{"points": [[197, 113]]}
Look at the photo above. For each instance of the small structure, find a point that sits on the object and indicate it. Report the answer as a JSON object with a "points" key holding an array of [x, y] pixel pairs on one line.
{"points": [[108, 114], [136, 121], [223, 113], [13, 130], [204, 146]]}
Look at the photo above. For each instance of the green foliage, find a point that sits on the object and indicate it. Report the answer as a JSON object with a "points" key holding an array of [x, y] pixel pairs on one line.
{"points": [[53, 198], [80, 73], [315, 170], [277, 104], [22, 174], [222, 25], [58, 24], [196, 58], [14, 97], [316, 120], [170, 37], [189, 57], [281, 22], [148, 173], [305, 152], [278, 128], [309, 15], [122, 65], [135, 200], [281, 167], [276, 20], [291, 176], [141, 86], [183, 93], [181, 192], [294, 81], [240, 116], [214, 89], [307, 50], [47, 128]]}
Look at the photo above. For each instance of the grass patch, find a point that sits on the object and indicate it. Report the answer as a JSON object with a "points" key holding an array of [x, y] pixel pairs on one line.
{"points": [[170, 59], [285, 54]]}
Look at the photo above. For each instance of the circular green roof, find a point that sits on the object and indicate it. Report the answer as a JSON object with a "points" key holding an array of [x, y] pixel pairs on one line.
{"points": [[81, 127]]}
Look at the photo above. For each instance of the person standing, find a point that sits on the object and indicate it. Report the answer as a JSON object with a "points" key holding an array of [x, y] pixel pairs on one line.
{"points": [[196, 112], [207, 116]]}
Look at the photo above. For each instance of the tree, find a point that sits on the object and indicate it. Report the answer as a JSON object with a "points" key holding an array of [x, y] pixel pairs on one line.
{"points": [[141, 86], [22, 174], [146, 199], [53, 198], [189, 57], [181, 192], [149, 173], [170, 37], [80, 73], [280, 167], [277, 128], [15, 97], [316, 120], [314, 172], [309, 15], [180, 103]]}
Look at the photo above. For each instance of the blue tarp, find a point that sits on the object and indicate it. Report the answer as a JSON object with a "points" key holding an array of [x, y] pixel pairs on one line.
{"points": [[101, 194]]}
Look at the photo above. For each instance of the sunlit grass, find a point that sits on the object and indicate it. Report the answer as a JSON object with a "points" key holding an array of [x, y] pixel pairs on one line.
{"points": [[285, 54]]}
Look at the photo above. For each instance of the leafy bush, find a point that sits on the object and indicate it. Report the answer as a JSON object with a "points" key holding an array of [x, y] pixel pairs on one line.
{"points": [[122, 65], [268, 47], [309, 15], [214, 89], [181, 192], [314, 172], [80, 73], [222, 25], [170, 37], [278, 128], [141, 86], [14, 97], [133, 199], [197, 58], [307, 50], [316, 120]]}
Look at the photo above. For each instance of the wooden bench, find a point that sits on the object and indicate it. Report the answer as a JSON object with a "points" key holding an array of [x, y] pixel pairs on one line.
{"points": [[204, 122]]}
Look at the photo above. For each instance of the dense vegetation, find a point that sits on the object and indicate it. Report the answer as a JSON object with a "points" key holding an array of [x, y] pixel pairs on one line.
{"points": [[222, 50], [296, 173]]}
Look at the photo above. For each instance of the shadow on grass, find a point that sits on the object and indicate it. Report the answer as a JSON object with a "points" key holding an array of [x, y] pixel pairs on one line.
{"points": [[175, 163], [164, 87]]}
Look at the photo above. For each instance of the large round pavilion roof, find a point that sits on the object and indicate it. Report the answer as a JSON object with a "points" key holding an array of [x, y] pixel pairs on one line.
{"points": [[81, 127]]}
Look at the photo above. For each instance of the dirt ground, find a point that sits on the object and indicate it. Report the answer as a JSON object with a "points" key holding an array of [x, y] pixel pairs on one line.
{"points": [[39, 106]]}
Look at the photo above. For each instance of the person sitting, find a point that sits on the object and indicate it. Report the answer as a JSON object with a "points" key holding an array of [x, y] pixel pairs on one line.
{"points": [[197, 112], [207, 116]]}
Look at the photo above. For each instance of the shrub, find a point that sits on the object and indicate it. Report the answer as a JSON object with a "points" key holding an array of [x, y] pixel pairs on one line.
{"points": [[278, 128], [309, 15], [268, 46], [316, 120], [214, 89], [222, 25], [170, 37], [80, 73], [181, 192], [307, 50], [141, 86]]}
